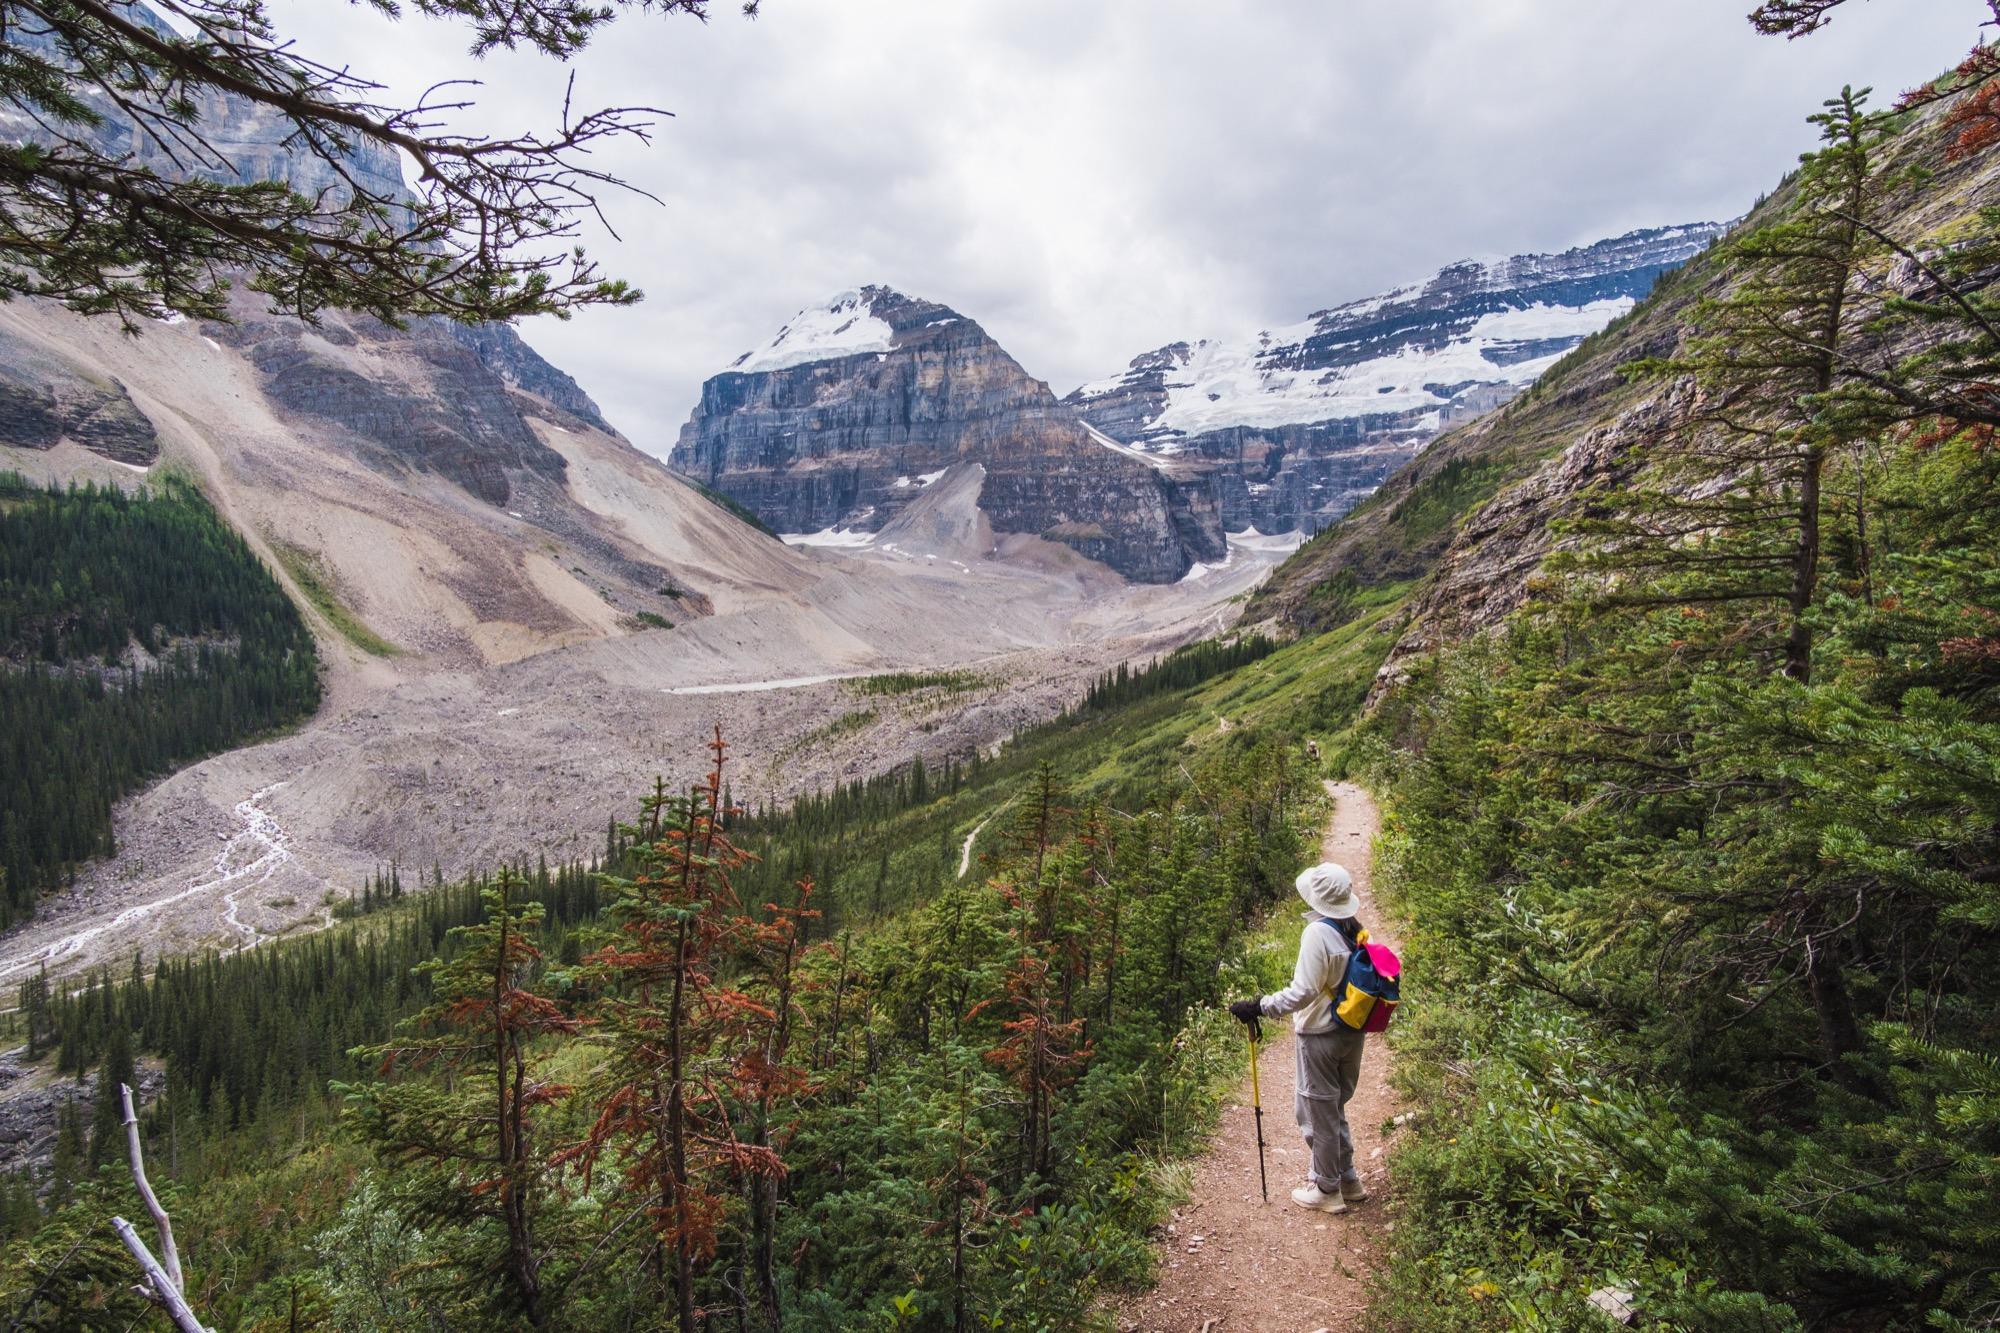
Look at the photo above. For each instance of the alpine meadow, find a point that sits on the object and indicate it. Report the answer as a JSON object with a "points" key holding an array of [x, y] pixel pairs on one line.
{"points": [[836, 849]]}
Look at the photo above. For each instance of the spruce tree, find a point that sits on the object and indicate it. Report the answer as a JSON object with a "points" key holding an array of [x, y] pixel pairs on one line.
{"points": [[461, 1119], [669, 1089], [70, 1155], [107, 1118], [1712, 562], [1730, 510]]}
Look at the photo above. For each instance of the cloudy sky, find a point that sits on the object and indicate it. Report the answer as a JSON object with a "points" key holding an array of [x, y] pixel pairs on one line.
{"points": [[1093, 178]]}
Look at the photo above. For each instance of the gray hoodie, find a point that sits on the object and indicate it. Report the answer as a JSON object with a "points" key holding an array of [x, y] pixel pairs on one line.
{"points": [[1322, 966]]}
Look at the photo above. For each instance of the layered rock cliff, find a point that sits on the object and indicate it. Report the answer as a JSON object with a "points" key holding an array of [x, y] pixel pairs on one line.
{"points": [[842, 418], [1293, 427], [416, 397], [46, 398]]}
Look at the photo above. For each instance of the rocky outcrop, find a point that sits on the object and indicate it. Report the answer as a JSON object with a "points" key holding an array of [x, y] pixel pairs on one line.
{"points": [[502, 350], [1291, 428], [1486, 573], [416, 397], [46, 398], [844, 417], [32, 1098]]}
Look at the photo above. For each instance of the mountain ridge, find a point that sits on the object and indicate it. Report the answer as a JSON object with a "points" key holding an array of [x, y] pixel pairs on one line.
{"points": [[1296, 424]]}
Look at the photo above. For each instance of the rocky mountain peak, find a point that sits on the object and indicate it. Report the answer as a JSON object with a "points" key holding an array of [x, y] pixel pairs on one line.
{"points": [[867, 321], [836, 423]]}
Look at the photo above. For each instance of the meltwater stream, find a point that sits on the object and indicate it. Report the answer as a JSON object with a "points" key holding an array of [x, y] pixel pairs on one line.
{"points": [[247, 860]]}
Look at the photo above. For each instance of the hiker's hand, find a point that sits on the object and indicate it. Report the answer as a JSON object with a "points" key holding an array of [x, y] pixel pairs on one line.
{"points": [[1248, 1011]]}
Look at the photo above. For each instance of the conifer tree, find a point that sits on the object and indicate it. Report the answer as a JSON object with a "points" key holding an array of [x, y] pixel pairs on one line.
{"points": [[770, 1078], [34, 1006], [1713, 561], [107, 1117], [671, 1080], [1041, 1053], [461, 1123], [1731, 511], [70, 1154]]}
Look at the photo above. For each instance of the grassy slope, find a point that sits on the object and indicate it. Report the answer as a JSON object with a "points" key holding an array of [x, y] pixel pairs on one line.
{"points": [[1314, 686], [308, 572]]}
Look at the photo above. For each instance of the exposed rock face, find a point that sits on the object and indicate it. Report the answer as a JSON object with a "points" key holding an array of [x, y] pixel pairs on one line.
{"points": [[419, 396], [1295, 426], [31, 1109], [503, 351], [46, 398], [851, 410], [1486, 573]]}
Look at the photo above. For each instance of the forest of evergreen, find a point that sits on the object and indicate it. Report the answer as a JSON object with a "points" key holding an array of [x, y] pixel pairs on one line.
{"points": [[137, 632], [1010, 1055]]}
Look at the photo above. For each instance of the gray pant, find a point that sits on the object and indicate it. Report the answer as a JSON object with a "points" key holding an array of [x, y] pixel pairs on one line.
{"points": [[1329, 1070]]}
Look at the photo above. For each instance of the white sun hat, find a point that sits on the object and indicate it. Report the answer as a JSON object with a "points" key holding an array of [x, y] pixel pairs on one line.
{"points": [[1329, 890]]}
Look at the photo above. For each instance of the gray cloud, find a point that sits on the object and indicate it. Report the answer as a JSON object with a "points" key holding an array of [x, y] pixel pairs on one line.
{"points": [[1090, 180]]}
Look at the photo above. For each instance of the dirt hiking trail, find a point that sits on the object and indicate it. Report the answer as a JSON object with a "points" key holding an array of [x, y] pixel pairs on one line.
{"points": [[1231, 1263]]}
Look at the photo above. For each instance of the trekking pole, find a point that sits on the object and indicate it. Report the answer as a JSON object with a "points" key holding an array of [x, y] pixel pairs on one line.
{"points": [[1256, 1027]]}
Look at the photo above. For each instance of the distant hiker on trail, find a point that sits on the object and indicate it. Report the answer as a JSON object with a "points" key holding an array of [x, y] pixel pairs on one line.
{"points": [[1333, 1014]]}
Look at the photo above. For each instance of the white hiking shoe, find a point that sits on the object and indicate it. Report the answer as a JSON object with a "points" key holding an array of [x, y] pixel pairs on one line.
{"points": [[1353, 1191], [1311, 1196]]}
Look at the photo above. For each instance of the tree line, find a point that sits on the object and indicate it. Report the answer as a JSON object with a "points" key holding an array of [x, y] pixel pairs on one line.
{"points": [[1184, 667], [137, 633]]}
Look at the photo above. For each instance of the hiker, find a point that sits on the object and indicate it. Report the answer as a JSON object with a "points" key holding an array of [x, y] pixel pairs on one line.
{"points": [[1329, 1049]]}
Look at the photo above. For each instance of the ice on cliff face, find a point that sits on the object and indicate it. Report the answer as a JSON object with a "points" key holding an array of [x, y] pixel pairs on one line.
{"points": [[1473, 329], [1241, 382]]}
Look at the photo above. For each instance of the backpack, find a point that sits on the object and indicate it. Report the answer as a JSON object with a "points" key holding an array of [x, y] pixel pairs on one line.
{"points": [[1365, 998]]}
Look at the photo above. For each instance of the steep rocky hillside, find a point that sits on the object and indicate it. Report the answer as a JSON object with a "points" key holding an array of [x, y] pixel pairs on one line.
{"points": [[1294, 426], [47, 396], [1471, 518], [425, 508], [852, 409], [467, 429]]}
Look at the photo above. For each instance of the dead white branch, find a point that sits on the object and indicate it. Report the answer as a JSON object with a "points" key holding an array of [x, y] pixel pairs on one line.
{"points": [[158, 1289], [164, 1284], [170, 1254]]}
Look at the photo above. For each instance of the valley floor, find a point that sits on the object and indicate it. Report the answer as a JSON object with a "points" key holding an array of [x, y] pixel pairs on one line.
{"points": [[461, 768]]}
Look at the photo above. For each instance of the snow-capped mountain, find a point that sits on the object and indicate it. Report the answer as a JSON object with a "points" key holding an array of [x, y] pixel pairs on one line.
{"points": [[851, 412], [1298, 424]]}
